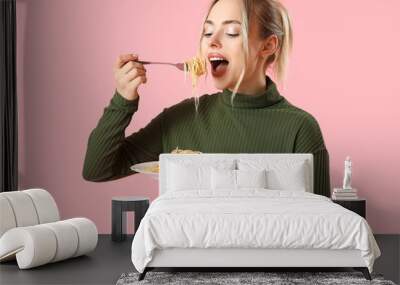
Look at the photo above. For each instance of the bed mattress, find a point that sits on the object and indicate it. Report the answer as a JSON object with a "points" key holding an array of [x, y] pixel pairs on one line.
{"points": [[250, 219]]}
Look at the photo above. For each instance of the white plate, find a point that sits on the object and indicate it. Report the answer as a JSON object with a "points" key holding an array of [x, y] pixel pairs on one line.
{"points": [[141, 168]]}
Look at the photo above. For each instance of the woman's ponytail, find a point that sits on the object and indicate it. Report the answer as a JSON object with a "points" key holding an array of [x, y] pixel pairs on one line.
{"points": [[282, 56]]}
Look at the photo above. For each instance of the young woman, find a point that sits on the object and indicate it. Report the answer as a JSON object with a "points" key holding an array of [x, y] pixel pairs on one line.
{"points": [[241, 40]]}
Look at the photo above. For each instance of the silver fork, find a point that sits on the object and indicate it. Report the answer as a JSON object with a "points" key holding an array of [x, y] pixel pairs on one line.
{"points": [[180, 66]]}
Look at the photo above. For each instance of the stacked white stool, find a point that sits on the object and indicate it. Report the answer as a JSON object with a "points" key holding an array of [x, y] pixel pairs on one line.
{"points": [[31, 231]]}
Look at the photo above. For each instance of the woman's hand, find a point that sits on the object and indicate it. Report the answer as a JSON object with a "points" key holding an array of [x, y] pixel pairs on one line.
{"points": [[129, 75]]}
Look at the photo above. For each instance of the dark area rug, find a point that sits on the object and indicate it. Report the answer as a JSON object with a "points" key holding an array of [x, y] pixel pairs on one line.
{"points": [[270, 278]]}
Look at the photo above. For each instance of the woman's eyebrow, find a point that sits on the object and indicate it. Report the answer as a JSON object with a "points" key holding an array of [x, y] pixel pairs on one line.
{"points": [[224, 22]]}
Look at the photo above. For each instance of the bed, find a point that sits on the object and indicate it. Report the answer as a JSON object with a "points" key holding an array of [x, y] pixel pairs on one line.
{"points": [[247, 210]]}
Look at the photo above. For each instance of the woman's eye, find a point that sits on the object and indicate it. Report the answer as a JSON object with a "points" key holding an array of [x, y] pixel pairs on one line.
{"points": [[230, 35]]}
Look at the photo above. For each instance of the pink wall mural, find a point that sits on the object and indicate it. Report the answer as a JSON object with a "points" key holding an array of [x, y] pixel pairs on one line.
{"points": [[343, 70]]}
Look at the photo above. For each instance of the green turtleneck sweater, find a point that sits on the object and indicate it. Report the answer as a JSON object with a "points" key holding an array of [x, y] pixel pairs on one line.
{"points": [[266, 123]]}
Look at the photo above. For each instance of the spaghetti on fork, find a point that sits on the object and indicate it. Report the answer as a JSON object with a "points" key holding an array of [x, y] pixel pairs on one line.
{"points": [[196, 67]]}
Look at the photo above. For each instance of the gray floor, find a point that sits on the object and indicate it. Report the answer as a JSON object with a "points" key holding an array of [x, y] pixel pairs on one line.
{"points": [[110, 259]]}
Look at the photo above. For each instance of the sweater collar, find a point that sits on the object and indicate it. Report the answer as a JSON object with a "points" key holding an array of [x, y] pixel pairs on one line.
{"points": [[269, 97]]}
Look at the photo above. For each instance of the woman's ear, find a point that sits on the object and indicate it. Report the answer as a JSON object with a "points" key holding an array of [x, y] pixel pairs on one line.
{"points": [[269, 46]]}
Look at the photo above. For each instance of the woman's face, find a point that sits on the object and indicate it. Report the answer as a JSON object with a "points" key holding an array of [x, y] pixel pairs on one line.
{"points": [[222, 38]]}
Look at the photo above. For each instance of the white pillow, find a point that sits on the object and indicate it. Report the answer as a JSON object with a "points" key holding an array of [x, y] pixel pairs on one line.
{"points": [[223, 179], [251, 178], [186, 175], [282, 174], [288, 179], [237, 179]]}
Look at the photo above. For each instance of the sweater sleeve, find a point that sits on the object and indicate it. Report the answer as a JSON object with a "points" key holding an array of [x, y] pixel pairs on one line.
{"points": [[109, 153], [309, 139]]}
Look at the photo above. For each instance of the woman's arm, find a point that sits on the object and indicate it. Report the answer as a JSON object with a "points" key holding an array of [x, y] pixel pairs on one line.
{"points": [[309, 139], [109, 153]]}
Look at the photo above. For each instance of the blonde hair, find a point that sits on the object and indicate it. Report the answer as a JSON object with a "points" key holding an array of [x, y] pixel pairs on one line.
{"points": [[272, 18]]}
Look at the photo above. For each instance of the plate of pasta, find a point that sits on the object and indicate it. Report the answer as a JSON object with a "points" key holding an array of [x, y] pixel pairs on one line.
{"points": [[149, 167], [152, 168]]}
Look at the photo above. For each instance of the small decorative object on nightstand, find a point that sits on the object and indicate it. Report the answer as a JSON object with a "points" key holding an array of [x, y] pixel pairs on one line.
{"points": [[121, 205], [347, 173], [347, 192], [356, 205]]}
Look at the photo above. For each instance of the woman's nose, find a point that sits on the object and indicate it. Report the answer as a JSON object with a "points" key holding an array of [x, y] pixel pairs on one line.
{"points": [[215, 41]]}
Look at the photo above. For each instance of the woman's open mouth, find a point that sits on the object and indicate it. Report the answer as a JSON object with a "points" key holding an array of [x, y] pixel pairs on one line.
{"points": [[219, 65]]}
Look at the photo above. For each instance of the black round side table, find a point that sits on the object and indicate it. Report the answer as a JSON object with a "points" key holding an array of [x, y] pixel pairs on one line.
{"points": [[122, 204]]}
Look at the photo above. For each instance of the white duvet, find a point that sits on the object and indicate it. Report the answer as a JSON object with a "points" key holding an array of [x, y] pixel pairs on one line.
{"points": [[251, 218]]}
